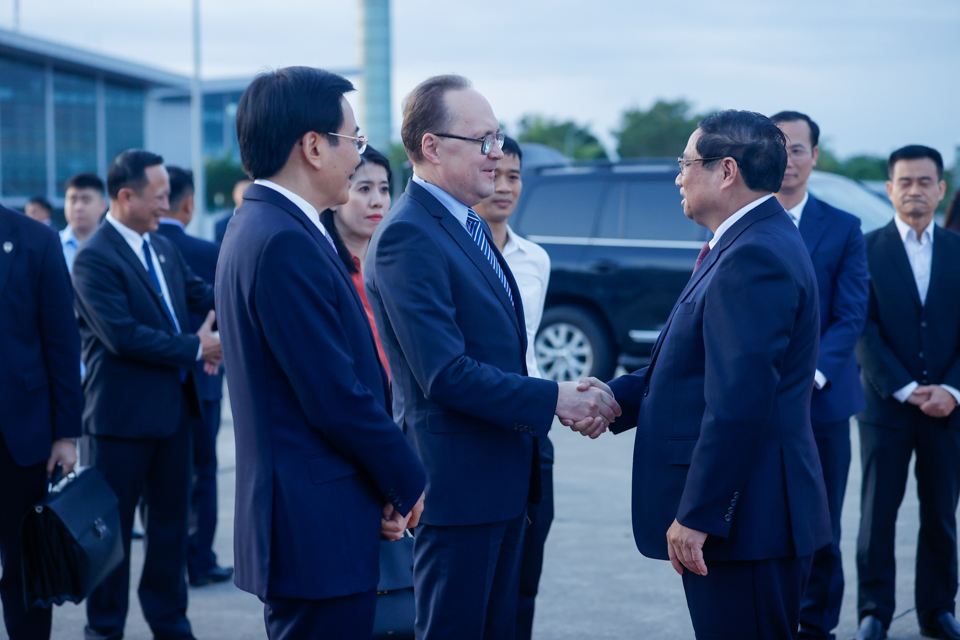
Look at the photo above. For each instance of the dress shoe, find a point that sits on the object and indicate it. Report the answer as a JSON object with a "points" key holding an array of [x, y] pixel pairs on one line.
{"points": [[945, 626], [871, 629], [217, 574]]}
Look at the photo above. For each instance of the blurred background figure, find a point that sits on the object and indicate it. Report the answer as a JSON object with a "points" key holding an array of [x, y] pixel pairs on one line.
{"points": [[83, 207], [40, 209], [201, 257], [952, 220], [352, 224], [221, 226], [530, 265]]}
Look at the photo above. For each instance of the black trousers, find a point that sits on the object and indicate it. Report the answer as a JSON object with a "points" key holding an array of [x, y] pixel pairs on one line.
{"points": [[159, 470], [203, 512], [886, 454], [539, 519], [748, 600], [820, 610], [345, 618], [20, 489]]}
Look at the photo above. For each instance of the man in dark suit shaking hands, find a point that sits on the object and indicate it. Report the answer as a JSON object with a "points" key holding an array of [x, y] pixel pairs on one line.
{"points": [[322, 470], [451, 321], [727, 482], [910, 358]]}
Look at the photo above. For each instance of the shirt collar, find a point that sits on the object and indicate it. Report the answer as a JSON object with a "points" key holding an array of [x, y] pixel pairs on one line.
{"points": [[514, 243], [906, 231], [729, 222], [797, 210], [172, 221], [456, 208], [67, 236], [133, 238], [308, 209]]}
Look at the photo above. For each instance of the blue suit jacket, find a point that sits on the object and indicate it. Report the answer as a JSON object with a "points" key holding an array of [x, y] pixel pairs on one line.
{"points": [[201, 256], [40, 378], [456, 348], [839, 255], [132, 351], [724, 443], [317, 452]]}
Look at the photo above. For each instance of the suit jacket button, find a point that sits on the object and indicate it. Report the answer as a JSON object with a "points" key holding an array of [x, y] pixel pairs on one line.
{"points": [[923, 323], [727, 517], [921, 354]]}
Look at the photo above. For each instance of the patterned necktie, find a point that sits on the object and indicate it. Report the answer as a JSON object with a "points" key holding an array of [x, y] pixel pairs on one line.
{"points": [[156, 284], [703, 254], [476, 232]]}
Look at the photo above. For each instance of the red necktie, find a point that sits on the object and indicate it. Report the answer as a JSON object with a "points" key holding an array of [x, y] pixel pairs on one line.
{"points": [[703, 254]]}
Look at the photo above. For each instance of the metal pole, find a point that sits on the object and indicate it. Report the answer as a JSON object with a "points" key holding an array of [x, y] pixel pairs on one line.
{"points": [[16, 15], [196, 127]]}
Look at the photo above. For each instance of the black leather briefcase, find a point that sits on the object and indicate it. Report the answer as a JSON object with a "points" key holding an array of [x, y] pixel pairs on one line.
{"points": [[396, 609], [71, 540]]}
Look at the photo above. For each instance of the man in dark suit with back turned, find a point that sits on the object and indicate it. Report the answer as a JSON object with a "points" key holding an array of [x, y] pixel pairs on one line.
{"points": [[910, 358], [134, 293], [726, 479], [839, 257], [322, 470], [39, 394], [451, 321], [201, 256]]}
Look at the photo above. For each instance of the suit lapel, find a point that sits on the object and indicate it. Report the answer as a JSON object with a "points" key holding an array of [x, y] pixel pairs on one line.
{"points": [[893, 247], [939, 269], [125, 252], [8, 233], [812, 224], [174, 279]]}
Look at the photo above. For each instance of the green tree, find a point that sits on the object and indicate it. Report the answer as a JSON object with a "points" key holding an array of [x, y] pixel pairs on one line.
{"points": [[661, 131], [222, 173], [865, 167], [567, 137]]}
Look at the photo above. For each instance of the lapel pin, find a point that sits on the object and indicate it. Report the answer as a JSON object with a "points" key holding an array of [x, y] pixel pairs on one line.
{"points": [[7, 246], [162, 259]]}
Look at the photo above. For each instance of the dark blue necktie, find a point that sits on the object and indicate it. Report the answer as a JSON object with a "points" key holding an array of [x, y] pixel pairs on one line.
{"points": [[147, 251], [475, 229]]}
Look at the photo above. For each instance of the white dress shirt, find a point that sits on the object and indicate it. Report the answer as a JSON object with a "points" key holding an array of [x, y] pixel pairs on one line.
{"points": [[530, 266], [308, 209], [796, 212], [456, 208], [729, 222], [70, 244], [920, 254]]}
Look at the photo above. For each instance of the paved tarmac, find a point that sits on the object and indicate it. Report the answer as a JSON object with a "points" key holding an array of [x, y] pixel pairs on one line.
{"points": [[595, 584]]}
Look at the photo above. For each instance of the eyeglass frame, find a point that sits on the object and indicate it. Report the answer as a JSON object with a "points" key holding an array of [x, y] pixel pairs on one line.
{"points": [[683, 162], [360, 140], [485, 147]]}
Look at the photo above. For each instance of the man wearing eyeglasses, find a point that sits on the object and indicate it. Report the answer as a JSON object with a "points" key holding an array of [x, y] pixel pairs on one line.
{"points": [[839, 255], [452, 324]]}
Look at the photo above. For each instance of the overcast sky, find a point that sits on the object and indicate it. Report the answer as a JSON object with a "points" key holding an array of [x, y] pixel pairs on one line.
{"points": [[875, 74]]}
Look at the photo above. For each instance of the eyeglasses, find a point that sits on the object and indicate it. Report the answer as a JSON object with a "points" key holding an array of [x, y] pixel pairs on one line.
{"points": [[799, 152], [683, 163], [360, 140], [486, 142]]}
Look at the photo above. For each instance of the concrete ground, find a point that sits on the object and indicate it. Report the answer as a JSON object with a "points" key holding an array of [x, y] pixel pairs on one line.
{"points": [[595, 583]]}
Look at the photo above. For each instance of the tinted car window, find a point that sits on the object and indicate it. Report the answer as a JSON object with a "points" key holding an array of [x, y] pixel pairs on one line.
{"points": [[561, 209], [653, 212], [610, 211]]}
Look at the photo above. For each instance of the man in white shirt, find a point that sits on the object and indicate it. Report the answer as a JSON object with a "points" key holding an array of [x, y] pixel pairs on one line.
{"points": [[530, 265], [83, 207], [909, 356]]}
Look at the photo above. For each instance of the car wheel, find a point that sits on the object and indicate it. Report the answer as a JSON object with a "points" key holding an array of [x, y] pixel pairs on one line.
{"points": [[573, 343]]}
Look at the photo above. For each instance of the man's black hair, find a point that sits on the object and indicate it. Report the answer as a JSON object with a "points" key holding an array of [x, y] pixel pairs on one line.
{"points": [[279, 108], [915, 152], [85, 181], [511, 148], [40, 201], [128, 170], [795, 116], [757, 145], [181, 185]]}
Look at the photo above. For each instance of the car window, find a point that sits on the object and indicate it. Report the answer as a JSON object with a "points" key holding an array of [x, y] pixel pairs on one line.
{"points": [[610, 219], [561, 209], [653, 212], [849, 195]]}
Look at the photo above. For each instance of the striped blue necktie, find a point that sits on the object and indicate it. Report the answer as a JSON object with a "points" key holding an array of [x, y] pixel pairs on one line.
{"points": [[476, 231]]}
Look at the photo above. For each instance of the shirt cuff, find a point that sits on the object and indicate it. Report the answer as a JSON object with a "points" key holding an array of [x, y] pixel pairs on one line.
{"points": [[199, 351], [952, 391], [905, 392], [819, 380]]}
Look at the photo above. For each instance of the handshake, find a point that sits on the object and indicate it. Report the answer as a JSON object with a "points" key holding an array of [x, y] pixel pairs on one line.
{"points": [[588, 407], [211, 353]]}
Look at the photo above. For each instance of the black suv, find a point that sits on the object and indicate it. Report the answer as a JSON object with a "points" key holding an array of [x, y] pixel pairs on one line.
{"points": [[621, 252]]}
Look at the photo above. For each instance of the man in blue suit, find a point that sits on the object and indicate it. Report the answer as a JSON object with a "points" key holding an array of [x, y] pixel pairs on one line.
{"points": [[451, 322], [322, 470], [39, 392], [201, 256], [726, 479], [839, 255]]}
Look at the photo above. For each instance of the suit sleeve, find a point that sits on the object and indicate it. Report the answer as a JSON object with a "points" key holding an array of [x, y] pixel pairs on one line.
{"points": [[748, 318], [849, 306], [60, 340], [298, 304], [628, 392], [414, 285], [103, 303], [879, 365]]}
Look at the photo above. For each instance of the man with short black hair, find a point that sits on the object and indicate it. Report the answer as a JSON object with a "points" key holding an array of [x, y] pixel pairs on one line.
{"points": [[726, 480], [134, 292], [201, 255], [39, 209], [909, 357], [83, 207], [839, 257]]}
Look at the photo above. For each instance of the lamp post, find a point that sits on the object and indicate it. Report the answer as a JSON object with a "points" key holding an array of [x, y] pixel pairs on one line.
{"points": [[196, 125]]}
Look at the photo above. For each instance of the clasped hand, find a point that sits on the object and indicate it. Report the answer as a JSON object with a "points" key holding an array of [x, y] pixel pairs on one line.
{"points": [[587, 407], [211, 353], [392, 524], [933, 400]]}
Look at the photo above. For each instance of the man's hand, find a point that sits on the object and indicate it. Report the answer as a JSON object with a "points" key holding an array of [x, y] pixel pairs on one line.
{"points": [[685, 548], [392, 524], [211, 354], [587, 411], [64, 452], [413, 518], [592, 427], [919, 396], [940, 403]]}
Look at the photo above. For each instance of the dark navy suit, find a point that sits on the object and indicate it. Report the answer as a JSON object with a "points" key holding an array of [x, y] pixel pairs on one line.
{"points": [[318, 455], [839, 255], [39, 391], [139, 401], [220, 226], [724, 443], [456, 346], [201, 255]]}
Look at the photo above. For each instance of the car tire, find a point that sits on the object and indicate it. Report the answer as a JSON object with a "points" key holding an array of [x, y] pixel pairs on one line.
{"points": [[573, 342]]}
